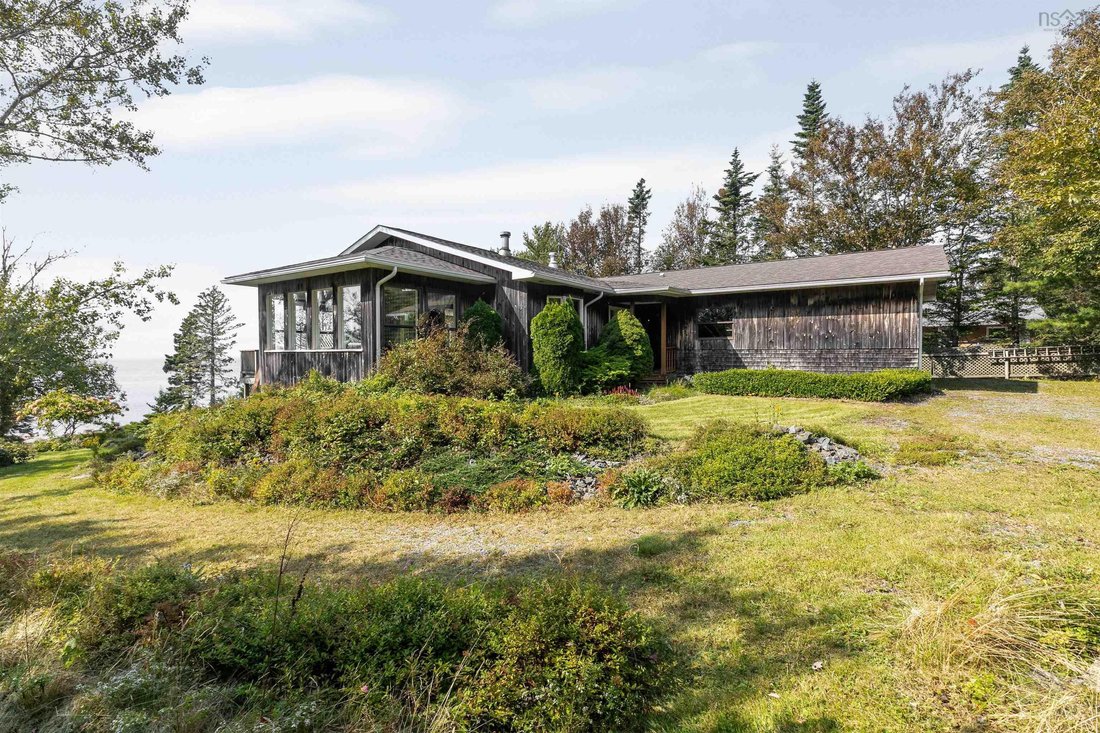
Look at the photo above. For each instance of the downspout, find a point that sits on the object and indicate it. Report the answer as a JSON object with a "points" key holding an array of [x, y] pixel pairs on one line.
{"points": [[920, 325], [378, 314], [584, 312]]}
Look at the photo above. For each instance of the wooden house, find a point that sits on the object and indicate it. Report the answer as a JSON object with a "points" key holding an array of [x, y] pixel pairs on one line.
{"points": [[837, 313]]}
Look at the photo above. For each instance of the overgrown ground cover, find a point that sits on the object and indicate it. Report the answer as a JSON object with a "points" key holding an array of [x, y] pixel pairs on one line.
{"points": [[927, 600]]}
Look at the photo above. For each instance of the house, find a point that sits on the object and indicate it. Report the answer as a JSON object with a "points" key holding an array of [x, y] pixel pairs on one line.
{"points": [[838, 313]]}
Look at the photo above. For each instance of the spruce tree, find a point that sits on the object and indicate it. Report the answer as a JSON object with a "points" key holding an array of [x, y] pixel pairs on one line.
{"points": [[731, 234], [637, 219], [811, 120], [201, 367], [772, 212], [541, 241]]}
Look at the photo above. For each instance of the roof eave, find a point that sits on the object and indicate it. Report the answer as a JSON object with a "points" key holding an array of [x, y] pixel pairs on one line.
{"points": [[839, 282], [380, 232], [343, 263]]}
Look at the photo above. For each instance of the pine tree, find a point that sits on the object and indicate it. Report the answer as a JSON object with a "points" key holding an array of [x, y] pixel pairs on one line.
{"points": [[811, 120], [731, 234], [200, 369], [638, 218], [541, 241], [772, 212], [183, 369]]}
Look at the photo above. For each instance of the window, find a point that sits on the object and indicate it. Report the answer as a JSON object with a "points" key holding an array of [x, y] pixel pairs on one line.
{"points": [[715, 322], [401, 308], [276, 322], [325, 314], [441, 310], [351, 318], [300, 315], [571, 300]]}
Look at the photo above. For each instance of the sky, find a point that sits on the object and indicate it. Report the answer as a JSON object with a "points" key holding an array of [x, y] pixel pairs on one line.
{"points": [[320, 119]]}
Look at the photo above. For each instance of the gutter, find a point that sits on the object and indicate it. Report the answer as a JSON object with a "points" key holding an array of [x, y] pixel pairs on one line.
{"points": [[378, 314], [584, 317]]}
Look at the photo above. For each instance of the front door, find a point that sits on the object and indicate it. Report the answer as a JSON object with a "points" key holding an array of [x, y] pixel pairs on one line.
{"points": [[650, 316]]}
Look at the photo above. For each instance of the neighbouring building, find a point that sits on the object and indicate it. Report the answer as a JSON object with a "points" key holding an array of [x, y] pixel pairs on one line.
{"points": [[838, 313]]}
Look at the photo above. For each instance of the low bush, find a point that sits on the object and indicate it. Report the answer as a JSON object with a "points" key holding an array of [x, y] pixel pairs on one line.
{"points": [[13, 452], [329, 445], [886, 384], [639, 488], [120, 646], [675, 391], [456, 364], [513, 495], [484, 324]]}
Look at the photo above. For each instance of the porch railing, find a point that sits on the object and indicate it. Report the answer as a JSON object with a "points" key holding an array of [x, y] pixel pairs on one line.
{"points": [[672, 359]]}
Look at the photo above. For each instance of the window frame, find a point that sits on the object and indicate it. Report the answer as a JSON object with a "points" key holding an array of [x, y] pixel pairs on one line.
{"points": [[315, 317], [341, 317], [292, 301], [387, 328], [272, 330]]}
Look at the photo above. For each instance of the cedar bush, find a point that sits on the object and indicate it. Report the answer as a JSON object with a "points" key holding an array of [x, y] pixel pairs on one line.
{"points": [[458, 364], [557, 341], [878, 386], [126, 645], [622, 356], [484, 324]]}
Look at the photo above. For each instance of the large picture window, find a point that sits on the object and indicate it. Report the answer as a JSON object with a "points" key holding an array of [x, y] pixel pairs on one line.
{"points": [[276, 322], [325, 313], [401, 307], [351, 318], [300, 317]]}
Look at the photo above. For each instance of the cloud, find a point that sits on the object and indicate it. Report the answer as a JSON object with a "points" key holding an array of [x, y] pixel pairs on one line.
{"points": [[286, 20], [381, 117], [535, 13], [938, 58], [583, 90], [739, 51]]}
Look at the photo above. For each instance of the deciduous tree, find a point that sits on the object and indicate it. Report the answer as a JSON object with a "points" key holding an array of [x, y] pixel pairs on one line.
{"points": [[685, 240]]}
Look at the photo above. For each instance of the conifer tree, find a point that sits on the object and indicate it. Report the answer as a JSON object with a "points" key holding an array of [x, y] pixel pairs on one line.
{"points": [[772, 212], [731, 234], [811, 120], [541, 241], [201, 367], [637, 219]]}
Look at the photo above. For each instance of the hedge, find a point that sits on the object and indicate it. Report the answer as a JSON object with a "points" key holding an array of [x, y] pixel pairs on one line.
{"points": [[879, 386]]}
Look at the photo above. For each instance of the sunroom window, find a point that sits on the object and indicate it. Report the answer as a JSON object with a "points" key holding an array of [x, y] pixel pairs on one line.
{"points": [[325, 326], [401, 307], [351, 318], [276, 322], [301, 319]]}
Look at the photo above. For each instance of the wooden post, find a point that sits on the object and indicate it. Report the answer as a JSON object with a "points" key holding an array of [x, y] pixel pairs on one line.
{"points": [[664, 338], [1008, 367]]}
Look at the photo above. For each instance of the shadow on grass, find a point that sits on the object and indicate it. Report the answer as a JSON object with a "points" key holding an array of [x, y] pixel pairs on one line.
{"points": [[48, 463], [1014, 386]]}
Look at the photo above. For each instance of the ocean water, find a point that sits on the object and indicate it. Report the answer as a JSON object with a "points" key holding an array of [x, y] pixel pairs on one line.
{"points": [[140, 380]]}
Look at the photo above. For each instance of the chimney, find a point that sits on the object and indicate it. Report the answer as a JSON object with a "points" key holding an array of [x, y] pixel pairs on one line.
{"points": [[504, 248], [553, 260]]}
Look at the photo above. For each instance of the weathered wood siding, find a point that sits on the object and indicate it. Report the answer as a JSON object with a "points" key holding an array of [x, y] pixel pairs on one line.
{"points": [[850, 329]]}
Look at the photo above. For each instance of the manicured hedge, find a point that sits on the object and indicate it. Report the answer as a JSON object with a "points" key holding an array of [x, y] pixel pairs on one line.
{"points": [[114, 649], [886, 384]]}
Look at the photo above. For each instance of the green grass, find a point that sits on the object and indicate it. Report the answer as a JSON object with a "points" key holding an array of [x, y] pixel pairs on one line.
{"points": [[793, 615]]}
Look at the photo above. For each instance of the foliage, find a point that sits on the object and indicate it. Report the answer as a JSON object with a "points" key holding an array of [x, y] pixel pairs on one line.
{"points": [[772, 212], [456, 364], [731, 234], [59, 336], [543, 241], [811, 120], [70, 411], [327, 444], [484, 326], [624, 335], [878, 386], [200, 369], [73, 71], [641, 487], [736, 461], [503, 657], [1049, 167], [557, 341], [603, 370], [637, 217], [675, 391], [513, 495], [598, 244], [13, 452], [684, 241]]}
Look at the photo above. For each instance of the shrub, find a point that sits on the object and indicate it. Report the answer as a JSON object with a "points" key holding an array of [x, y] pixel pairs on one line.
{"points": [[610, 431], [557, 341], [485, 326], [602, 370], [408, 490], [625, 335], [886, 384], [403, 655], [452, 364], [559, 492], [639, 488], [13, 452], [514, 495], [732, 461], [676, 391]]}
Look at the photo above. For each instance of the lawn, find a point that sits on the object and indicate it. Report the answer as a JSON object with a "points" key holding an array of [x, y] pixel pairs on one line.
{"points": [[800, 614]]}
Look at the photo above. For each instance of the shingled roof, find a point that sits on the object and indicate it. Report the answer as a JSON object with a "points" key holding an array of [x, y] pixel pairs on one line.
{"points": [[906, 263]]}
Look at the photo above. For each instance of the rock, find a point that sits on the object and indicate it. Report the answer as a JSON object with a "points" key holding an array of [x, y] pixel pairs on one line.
{"points": [[830, 450]]}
